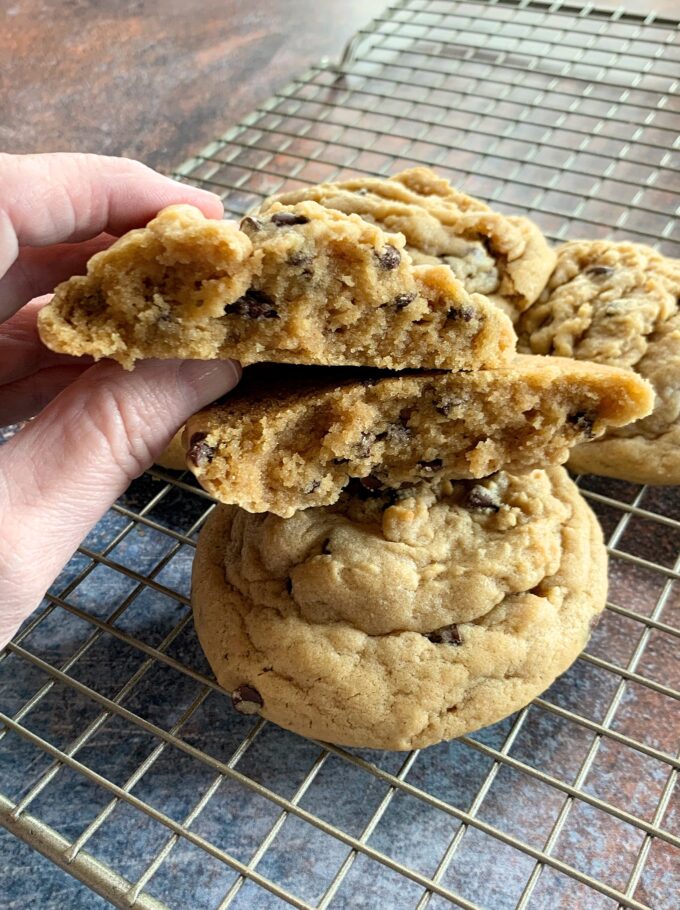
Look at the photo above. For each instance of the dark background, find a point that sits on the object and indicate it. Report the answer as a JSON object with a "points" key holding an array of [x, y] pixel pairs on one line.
{"points": [[158, 80]]}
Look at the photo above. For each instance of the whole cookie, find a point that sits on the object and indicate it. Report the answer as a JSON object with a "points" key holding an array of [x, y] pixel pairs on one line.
{"points": [[617, 304], [396, 621], [505, 257]]}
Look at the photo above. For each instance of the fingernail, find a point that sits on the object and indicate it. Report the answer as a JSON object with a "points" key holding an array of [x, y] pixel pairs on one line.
{"points": [[209, 378]]}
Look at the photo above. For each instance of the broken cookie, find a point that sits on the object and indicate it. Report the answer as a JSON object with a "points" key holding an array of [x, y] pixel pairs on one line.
{"points": [[301, 284], [292, 438]]}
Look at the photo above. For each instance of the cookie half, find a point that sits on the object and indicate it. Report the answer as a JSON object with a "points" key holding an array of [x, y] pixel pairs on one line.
{"points": [[302, 284], [291, 438], [617, 303], [394, 625], [505, 257]]}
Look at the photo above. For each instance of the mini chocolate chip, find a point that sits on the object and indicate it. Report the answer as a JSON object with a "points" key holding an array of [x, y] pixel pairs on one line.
{"points": [[253, 305], [300, 258], [389, 259], [313, 487], [246, 700], [198, 285], [250, 224], [200, 453], [285, 219], [326, 547], [447, 635], [600, 271], [371, 482], [483, 499], [465, 313], [583, 422], [429, 467], [364, 445], [403, 300]]}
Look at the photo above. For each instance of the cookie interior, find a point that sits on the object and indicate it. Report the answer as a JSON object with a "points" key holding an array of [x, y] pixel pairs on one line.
{"points": [[288, 439], [302, 284]]}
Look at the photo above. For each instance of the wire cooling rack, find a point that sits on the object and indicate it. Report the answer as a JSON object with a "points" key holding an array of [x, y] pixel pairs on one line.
{"points": [[120, 757]]}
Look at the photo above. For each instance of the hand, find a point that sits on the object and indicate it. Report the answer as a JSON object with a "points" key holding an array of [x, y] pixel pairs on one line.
{"points": [[98, 426]]}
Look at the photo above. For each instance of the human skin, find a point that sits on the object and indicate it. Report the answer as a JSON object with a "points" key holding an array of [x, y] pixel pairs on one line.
{"points": [[97, 426]]}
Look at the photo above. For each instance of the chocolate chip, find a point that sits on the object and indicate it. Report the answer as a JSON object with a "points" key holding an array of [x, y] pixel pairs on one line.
{"points": [[285, 219], [246, 700], [300, 258], [253, 305], [371, 483], [465, 313], [389, 259], [583, 422], [200, 453], [249, 224], [313, 486], [429, 467], [483, 499], [403, 300], [600, 271], [447, 635], [326, 547], [364, 445]]}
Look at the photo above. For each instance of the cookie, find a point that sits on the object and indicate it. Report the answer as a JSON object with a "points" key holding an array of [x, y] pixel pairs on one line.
{"points": [[617, 303], [505, 257], [303, 284], [394, 625], [173, 455], [292, 437]]}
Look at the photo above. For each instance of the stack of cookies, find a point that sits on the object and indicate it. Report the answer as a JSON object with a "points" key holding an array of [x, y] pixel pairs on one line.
{"points": [[398, 557]]}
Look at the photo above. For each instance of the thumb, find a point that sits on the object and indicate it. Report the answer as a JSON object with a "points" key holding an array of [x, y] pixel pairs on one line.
{"points": [[62, 471]]}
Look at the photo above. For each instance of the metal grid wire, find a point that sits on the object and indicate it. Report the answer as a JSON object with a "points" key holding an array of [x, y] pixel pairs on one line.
{"points": [[120, 757]]}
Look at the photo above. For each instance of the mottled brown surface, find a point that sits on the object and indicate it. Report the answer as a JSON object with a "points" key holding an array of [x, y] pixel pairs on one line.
{"points": [[157, 81]]}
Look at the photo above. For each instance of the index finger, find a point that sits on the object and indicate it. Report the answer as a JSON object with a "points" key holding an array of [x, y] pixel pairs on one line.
{"points": [[59, 198]]}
